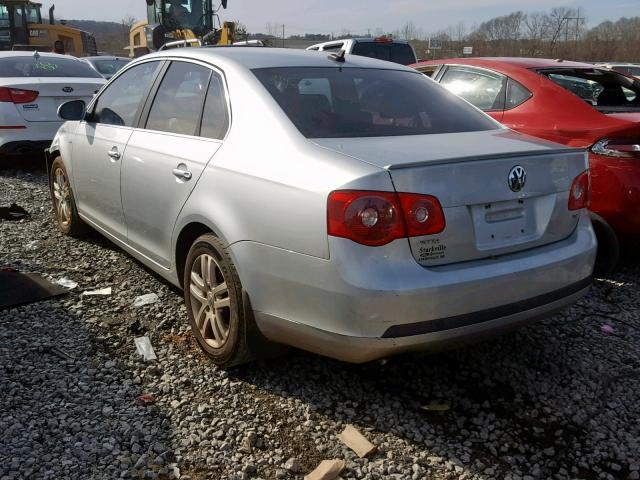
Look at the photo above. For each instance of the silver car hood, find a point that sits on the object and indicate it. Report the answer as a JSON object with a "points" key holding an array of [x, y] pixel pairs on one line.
{"points": [[414, 150]]}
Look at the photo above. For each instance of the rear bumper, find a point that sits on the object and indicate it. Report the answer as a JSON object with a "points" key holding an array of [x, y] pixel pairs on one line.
{"points": [[445, 336], [366, 303]]}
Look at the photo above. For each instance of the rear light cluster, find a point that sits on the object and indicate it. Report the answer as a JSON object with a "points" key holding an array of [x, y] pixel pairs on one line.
{"points": [[377, 218], [617, 147], [580, 193], [17, 95]]}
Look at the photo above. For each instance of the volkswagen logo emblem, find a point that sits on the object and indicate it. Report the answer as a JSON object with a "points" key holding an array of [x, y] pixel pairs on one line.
{"points": [[67, 89], [517, 178]]}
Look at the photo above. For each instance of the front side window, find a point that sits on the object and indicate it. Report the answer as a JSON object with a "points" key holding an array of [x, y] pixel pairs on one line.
{"points": [[605, 90], [120, 103], [178, 103], [337, 102], [480, 88]]}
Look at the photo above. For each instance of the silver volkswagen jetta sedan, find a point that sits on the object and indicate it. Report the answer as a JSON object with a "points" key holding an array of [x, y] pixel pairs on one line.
{"points": [[353, 208]]}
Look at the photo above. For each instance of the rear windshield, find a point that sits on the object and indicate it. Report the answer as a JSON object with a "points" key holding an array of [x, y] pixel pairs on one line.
{"points": [[401, 53], [605, 90], [356, 102], [109, 67], [44, 66]]}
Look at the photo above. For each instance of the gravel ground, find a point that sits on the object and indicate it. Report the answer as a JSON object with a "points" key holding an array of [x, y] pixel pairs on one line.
{"points": [[559, 399]]}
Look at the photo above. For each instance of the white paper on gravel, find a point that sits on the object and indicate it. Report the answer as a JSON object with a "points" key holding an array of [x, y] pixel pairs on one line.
{"points": [[66, 283], [143, 300], [144, 348], [100, 291]]}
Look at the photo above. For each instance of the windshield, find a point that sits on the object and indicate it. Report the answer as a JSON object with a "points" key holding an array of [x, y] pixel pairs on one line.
{"points": [[401, 53], [356, 102], [109, 67], [30, 66], [605, 90], [187, 14]]}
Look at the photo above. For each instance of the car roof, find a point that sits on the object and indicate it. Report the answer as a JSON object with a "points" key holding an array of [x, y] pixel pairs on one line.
{"points": [[266, 57], [510, 61], [105, 57]]}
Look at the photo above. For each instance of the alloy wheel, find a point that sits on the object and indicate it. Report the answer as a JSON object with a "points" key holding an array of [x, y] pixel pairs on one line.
{"points": [[62, 196], [210, 301]]}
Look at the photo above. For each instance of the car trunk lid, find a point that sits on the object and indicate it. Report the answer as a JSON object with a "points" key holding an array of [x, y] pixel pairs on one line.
{"points": [[470, 174], [52, 93]]}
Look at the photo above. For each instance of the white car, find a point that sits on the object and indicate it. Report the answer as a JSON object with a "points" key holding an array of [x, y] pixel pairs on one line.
{"points": [[382, 48], [32, 87], [629, 69]]}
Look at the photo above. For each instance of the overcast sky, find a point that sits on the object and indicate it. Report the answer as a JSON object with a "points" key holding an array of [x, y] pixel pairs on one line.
{"points": [[302, 16]]}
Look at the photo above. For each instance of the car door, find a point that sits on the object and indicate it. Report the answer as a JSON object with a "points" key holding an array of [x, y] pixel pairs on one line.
{"points": [[100, 142], [184, 125], [482, 88]]}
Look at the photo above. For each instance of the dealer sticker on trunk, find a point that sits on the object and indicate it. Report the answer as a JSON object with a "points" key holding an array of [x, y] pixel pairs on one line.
{"points": [[431, 249]]}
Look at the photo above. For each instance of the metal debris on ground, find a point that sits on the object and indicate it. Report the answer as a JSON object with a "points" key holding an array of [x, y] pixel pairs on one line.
{"points": [[436, 407], [100, 291], [327, 470], [143, 300], [353, 439], [144, 348]]}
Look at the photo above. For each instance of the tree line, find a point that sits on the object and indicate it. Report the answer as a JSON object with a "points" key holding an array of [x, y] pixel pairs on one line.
{"points": [[558, 33]]}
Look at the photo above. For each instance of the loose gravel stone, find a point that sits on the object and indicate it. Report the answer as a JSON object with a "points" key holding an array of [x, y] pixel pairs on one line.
{"points": [[557, 399]]}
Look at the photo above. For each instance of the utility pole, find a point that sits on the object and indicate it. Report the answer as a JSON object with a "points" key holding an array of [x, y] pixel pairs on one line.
{"points": [[578, 18], [283, 35]]}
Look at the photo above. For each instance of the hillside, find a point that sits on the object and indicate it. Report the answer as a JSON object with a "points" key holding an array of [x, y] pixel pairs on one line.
{"points": [[111, 37]]}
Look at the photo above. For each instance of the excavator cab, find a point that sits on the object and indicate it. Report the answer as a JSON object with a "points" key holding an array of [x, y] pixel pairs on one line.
{"points": [[21, 28], [172, 20]]}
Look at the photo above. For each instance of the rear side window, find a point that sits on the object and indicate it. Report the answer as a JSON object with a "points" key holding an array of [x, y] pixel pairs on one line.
{"points": [[401, 53], [178, 103], [45, 66], [517, 94], [605, 90], [215, 118], [481, 88], [122, 99], [339, 102]]}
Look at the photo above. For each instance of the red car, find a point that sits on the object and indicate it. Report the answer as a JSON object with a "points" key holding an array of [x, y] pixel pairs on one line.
{"points": [[572, 103]]}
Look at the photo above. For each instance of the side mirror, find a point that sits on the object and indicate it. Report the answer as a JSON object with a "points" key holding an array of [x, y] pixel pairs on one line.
{"points": [[73, 110]]}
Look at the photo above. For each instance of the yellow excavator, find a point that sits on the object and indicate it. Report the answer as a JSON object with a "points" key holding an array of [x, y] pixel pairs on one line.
{"points": [[21, 28], [174, 22]]}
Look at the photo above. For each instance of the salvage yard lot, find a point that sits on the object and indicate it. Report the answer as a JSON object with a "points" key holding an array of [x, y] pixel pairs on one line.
{"points": [[557, 399]]}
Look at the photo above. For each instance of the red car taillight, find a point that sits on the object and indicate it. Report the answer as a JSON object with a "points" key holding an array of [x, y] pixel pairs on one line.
{"points": [[580, 193], [617, 147], [16, 95], [377, 218]]}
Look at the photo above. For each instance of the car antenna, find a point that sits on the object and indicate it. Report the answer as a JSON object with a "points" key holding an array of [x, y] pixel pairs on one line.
{"points": [[338, 57]]}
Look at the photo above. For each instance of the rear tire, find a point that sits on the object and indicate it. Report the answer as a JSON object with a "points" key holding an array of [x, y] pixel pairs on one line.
{"points": [[64, 204], [214, 301], [608, 255]]}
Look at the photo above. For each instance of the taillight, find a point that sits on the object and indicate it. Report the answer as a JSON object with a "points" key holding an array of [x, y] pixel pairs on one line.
{"points": [[617, 147], [377, 218], [580, 193], [17, 95]]}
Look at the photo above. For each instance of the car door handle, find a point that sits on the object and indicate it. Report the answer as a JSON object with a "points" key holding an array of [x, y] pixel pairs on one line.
{"points": [[184, 174], [114, 154]]}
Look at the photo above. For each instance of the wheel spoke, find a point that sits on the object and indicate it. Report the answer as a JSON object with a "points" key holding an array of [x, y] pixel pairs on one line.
{"points": [[218, 333], [222, 303], [197, 291], [220, 289], [201, 318]]}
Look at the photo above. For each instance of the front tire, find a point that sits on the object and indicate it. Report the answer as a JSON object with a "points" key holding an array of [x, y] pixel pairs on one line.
{"points": [[64, 205], [214, 301]]}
